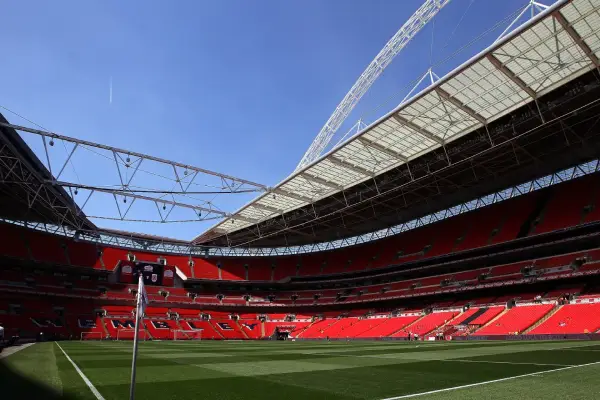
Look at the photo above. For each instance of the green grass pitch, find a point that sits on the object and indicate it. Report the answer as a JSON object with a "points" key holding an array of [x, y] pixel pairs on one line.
{"points": [[307, 370]]}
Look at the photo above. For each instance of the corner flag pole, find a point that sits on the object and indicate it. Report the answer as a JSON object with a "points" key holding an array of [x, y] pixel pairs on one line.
{"points": [[142, 301]]}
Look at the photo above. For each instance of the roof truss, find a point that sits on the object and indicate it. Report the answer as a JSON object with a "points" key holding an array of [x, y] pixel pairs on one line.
{"points": [[368, 143], [349, 166], [421, 131], [511, 75]]}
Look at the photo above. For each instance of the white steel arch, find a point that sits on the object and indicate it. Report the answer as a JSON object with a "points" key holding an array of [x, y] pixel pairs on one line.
{"points": [[410, 28]]}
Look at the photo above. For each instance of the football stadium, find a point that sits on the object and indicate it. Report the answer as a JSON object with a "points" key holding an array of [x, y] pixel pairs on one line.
{"points": [[448, 249]]}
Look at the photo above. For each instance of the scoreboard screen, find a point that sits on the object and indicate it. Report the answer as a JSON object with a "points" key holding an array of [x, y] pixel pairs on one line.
{"points": [[154, 274]]}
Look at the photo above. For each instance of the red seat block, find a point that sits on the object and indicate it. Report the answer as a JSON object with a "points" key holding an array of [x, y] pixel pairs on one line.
{"points": [[516, 320]]}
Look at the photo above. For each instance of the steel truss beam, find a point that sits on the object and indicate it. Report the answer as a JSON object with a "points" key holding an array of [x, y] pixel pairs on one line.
{"points": [[320, 181], [127, 164], [291, 195], [349, 166], [368, 143], [423, 132], [458, 104], [576, 37], [266, 208], [133, 195], [13, 171], [115, 150], [511, 75]]}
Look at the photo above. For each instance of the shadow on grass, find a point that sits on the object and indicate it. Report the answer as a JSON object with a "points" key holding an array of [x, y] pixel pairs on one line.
{"points": [[14, 385]]}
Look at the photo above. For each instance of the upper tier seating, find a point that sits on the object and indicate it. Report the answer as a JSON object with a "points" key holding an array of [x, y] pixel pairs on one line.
{"points": [[565, 207]]}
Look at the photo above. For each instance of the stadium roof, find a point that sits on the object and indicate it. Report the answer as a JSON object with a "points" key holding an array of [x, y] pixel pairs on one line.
{"points": [[556, 47]]}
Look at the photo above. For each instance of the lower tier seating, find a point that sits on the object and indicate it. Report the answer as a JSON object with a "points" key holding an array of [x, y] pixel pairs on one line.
{"points": [[515, 320], [571, 318], [427, 324], [31, 315]]}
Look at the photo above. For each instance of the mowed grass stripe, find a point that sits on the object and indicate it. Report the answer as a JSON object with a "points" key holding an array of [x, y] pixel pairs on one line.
{"points": [[292, 369], [491, 382], [216, 361], [267, 362], [577, 383]]}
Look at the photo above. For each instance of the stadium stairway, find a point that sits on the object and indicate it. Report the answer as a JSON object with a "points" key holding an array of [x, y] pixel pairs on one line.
{"points": [[315, 329], [517, 319], [447, 328], [366, 325], [244, 334], [179, 327], [388, 327], [104, 328], [332, 328], [149, 335], [407, 327], [215, 329], [528, 227], [491, 321], [68, 327], [302, 330], [463, 316], [543, 319]]}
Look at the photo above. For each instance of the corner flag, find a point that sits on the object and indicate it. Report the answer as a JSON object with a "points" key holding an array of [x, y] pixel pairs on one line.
{"points": [[142, 296], [141, 304]]}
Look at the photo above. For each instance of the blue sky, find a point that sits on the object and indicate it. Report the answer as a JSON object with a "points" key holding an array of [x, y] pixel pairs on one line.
{"points": [[240, 87]]}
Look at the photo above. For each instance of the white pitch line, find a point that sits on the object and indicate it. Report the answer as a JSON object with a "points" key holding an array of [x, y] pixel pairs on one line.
{"points": [[384, 357], [81, 374], [505, 362], [408, 396], [583, 349]]}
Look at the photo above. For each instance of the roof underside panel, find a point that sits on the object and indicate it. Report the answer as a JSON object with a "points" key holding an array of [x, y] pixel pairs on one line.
{"points": [[510, 74], [486, 90], [439, 117]]}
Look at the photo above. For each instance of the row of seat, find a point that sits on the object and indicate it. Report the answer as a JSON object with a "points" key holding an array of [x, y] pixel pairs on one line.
{"points": [[550, 267], [527, 318], [568, 204]]}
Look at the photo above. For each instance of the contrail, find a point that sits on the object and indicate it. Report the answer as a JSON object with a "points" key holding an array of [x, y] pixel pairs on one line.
{"points": [[110, 92]]}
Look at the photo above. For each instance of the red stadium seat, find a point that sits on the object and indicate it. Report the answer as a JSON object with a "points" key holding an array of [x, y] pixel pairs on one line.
{"points": [[515, 320]]}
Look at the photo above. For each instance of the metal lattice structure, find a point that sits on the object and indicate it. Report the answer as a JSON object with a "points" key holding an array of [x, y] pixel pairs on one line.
{"points": [[126, 165], [393, 47]]}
